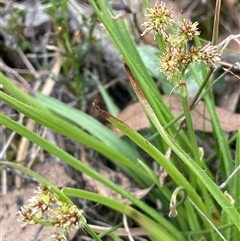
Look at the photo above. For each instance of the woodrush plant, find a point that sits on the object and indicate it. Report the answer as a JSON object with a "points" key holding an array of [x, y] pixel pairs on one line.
{"points": [[196, 215], [175, 58]]}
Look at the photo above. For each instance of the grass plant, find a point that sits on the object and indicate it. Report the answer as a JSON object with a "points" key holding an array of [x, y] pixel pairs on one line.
{"points": [[198, 208]]}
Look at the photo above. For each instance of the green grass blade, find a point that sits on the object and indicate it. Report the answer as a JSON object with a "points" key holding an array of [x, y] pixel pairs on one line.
{"points": [[223, 149], [154, 229], [112, 108], [91, 125], [42, 180], [57, 124], [193, 166], [19, 94], [121, 38], [78, 165]]}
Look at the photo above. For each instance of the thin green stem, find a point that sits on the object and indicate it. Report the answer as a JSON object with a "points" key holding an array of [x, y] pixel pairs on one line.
{"points": [[206, 231], [147, 223], [214, 154], [195, 168], [78, 165], [191, 132], [203, 84], [111, 230], [91, 232], [220, 137]]}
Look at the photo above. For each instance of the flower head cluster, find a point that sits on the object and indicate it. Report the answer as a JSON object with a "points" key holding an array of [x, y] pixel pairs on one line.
{"points": [[66, 216], [172, 61], [209, 55], [38, 206], [58, 237], [187, 30], [45, 206], [175, 57], [159, 17]]}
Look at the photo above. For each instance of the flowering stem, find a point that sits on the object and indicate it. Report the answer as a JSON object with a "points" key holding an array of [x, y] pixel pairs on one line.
{"points": [[92, 233], [190, 128], [194, 101]]}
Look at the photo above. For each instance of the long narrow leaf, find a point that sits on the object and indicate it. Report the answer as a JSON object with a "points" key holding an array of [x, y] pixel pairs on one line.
{"points": [[91, 125], [71, 131], [78, 165], [151, 227], [194, 167]]}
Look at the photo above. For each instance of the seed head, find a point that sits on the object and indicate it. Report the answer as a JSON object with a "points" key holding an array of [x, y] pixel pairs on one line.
{"points": [[209, 55], [29, 215], [66, 216], [173, 61], [38, 206], [58, 237], [168, 63], [45, 206], [187, 30], [159, 17], [170, 39]]}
